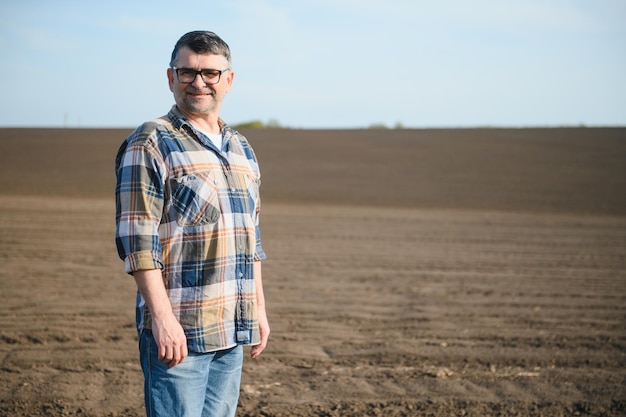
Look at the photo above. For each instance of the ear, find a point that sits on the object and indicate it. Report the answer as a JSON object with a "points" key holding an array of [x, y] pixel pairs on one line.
{"points": [[230, 75], [170, 79]]}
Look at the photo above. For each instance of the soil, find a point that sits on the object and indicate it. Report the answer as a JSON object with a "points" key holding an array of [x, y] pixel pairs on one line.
{"points": [[467, 272]]}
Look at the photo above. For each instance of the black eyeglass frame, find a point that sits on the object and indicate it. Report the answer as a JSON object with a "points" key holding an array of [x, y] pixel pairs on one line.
{"points": [[199, 72]]}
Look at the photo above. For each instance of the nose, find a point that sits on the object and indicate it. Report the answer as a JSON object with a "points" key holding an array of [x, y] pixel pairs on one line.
{"points": [[198, 81]]}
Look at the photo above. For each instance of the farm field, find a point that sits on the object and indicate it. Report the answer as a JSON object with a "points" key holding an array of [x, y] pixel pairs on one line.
{"points": [[435, 272]]}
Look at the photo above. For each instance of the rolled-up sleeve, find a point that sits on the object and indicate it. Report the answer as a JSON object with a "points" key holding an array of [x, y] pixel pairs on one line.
{"points": [[259, 254], [139, 196]]}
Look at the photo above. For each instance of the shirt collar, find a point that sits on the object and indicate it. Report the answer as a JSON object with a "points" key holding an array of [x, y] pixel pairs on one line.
{"points": [[179, 120]]}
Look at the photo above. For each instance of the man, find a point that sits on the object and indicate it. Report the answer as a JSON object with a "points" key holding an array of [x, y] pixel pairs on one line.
{"points": [[187, 213]]}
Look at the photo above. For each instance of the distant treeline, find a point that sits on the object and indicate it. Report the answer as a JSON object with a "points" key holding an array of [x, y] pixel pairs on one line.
{"points": [[258, 124], [275, 124]]}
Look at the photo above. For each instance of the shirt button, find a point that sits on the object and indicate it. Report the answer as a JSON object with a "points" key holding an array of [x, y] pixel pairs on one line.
{"points": [[241, 275], [215, 182]]}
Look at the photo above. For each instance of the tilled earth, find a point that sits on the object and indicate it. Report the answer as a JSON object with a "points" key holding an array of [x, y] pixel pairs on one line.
{"points": [[455, 297]]}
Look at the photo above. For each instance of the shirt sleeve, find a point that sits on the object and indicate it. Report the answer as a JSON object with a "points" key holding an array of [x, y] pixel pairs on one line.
{"points": [[259, 253], [139, 196]]}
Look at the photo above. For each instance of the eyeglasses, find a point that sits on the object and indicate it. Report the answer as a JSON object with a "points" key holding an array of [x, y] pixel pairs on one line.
{"points": [[209, 76]]}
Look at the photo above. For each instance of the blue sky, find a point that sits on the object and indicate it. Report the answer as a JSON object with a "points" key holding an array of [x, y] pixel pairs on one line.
{"points": [[322, 63]]}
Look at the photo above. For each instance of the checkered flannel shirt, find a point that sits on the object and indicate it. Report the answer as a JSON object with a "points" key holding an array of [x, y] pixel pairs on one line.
{"points": [[192, 210]]}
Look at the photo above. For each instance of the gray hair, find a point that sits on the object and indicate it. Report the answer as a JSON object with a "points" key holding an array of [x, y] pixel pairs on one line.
{"points": [[201, 42]]}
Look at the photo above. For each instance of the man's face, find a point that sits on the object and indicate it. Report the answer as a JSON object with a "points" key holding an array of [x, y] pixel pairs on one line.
{"points": [[198, 97]]}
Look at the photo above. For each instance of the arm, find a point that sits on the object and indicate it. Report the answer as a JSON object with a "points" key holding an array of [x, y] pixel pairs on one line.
{"points": [[264, 327], [139, 195], [167, 331]]}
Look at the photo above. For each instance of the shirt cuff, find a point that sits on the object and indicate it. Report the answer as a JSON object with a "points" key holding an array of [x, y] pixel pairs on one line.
{"points": [[259, 254], [144, 260]]}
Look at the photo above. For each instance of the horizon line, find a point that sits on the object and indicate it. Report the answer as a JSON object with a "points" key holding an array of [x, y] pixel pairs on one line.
{"points": [[371, 127]]}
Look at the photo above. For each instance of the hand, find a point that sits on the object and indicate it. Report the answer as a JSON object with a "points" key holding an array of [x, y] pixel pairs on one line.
{"points": [[171, 340], [264, 330], [167, 331]]}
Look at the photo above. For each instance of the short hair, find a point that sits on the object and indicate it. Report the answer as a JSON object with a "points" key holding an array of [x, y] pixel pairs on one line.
{"points": [[201, 42]]}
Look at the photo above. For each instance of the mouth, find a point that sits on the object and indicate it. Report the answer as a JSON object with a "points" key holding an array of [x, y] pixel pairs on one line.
{"points": [[199, 94]]}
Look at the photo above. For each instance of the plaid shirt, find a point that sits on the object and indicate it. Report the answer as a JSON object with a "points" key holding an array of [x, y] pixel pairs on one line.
{"points": [[192, 210]]}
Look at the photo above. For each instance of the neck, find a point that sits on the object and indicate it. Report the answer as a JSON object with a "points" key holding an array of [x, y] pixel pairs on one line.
{"points": [[206, 122], [210, 127]]}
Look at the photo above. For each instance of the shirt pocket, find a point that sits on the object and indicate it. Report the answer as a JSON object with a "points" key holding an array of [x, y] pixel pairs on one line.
{"points": [[195, 199]]}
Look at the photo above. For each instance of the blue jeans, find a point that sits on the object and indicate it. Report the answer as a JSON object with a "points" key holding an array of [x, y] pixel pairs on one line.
{"points": [[203, 385]]}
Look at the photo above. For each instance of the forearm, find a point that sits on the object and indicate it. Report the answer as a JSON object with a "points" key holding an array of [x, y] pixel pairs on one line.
{"points": [[152, 289], [168, 333], [264, 327], [258, 281]]}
